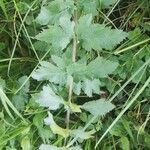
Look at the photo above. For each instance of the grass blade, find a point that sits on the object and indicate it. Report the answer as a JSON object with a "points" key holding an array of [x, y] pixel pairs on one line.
{"points": [[6, 102], [124, 110]]}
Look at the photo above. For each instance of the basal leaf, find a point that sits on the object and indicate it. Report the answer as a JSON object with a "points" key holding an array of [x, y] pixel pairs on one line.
{"points": [[98, 107], [47, 98]]}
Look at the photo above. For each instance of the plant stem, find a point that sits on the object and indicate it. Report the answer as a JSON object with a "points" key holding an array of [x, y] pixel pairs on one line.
{"points": [[74, 50]]}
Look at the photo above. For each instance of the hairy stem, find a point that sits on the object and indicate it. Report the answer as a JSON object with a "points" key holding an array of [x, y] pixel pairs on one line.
{"points": [[74, 50]]}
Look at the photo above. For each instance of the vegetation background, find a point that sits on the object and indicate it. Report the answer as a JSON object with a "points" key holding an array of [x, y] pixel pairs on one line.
{"points": [[74, 74]]}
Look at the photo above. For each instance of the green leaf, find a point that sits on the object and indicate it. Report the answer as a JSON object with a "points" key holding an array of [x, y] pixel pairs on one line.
{"points": [[55, 36], [59, 61], [6, 102], [77, 70], [118, 129], [98, 36], [58, 35], [43, 131], [38, 120], [98, 107], [91, 86], [77, 88], [101, 67], [19, 101], [87, 6], [25, 88], [51, 14], [47, 98], [127, 125], [110, 84], [82, 134], [82, 73], [44, 16], [48, 71], [91, 6], [21, 98]]}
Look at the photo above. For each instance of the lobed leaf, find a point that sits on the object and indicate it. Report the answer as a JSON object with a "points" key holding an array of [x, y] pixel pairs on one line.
{"points": [[47, 98], [48, 71], [100, 67], [51, 14], [81, 134], [59, 36], [91, 86], [98, 107], [98, 36], [86, 76]]}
